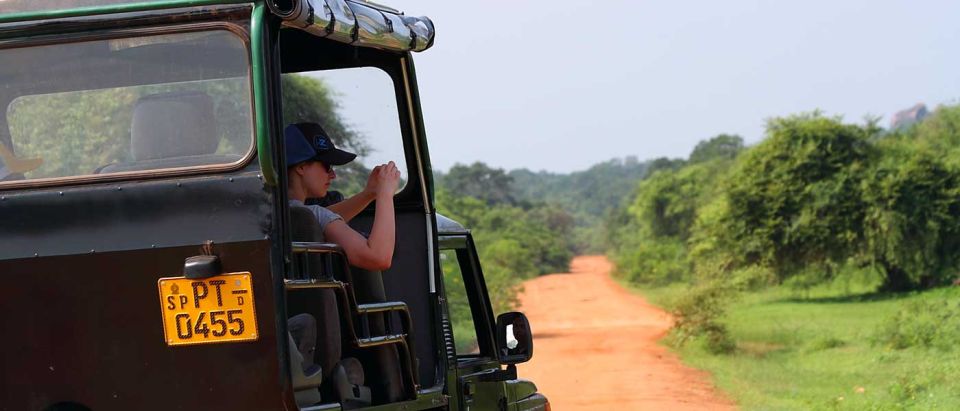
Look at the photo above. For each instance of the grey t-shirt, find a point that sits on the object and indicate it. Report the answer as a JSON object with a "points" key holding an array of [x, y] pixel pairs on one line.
{"points": [[323, 215]]}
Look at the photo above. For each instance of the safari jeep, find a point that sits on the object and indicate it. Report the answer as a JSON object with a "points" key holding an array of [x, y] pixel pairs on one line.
{"points": [[149, 259]]}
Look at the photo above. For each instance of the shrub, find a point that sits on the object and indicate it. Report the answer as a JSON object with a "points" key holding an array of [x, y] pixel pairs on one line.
{"points": [[923, 324], [826, 343], [654, 262], [699, 314]]}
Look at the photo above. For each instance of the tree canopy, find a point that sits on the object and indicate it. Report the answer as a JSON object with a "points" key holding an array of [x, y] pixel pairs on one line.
{"points": [[815, 195]]}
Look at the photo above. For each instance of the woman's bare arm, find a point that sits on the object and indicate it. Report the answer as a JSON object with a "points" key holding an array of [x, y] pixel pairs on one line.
{"points": [[375, 252], [352, 206]]}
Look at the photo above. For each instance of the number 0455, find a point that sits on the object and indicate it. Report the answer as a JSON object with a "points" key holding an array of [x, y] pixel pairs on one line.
{"points": [[209, 310], [220, 323]]}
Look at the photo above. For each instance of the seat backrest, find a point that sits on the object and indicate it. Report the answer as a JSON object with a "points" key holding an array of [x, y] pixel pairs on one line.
{"points": [[176, 129], [304, 227], [383, 362]]}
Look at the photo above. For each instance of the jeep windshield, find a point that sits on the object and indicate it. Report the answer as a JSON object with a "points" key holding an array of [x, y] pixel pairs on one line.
{"points": [[120, 105]]}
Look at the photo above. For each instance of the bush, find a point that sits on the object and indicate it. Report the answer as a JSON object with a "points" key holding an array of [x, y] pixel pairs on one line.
{"points": [[826, 343], [922, 324], [698, 315], [653, 262]]}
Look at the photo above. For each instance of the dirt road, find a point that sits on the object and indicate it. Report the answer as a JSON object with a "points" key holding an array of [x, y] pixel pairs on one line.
{"points": [[595, 347]]}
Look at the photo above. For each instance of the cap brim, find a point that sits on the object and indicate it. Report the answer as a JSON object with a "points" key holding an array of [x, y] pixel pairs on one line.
{"points": [[335, 157]]}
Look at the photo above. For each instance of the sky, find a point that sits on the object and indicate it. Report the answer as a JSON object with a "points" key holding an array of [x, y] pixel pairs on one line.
{"points": [[561, 85]]}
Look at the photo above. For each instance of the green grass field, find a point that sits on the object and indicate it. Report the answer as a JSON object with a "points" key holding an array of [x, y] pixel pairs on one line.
{"points": [[825, 348]]}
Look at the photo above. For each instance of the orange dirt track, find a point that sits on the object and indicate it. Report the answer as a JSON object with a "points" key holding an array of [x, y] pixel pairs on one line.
{"points": [[595, 347]]}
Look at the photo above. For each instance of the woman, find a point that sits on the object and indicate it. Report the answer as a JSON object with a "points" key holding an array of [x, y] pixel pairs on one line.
{"points": [[311, 156], [310, 160]]}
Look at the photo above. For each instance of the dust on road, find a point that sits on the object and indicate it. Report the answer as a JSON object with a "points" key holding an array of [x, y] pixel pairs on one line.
{"points": [[595, 347]]}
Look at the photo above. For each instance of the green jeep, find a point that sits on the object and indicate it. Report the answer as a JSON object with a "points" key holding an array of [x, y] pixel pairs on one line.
{"points": [[150, 259]]}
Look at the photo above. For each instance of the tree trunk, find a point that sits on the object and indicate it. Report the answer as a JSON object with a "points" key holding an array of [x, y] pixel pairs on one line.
{"points": [[896, 278]]}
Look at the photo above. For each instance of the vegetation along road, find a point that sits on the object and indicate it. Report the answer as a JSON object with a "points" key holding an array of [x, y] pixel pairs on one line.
{"points": [[595, 346]]}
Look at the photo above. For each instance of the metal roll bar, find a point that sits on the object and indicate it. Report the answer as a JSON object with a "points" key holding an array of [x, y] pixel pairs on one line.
{"points": [[357, 22]]}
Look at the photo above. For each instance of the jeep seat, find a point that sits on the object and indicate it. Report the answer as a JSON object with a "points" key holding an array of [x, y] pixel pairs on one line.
{"points": [[170, 130], [342, 377]]}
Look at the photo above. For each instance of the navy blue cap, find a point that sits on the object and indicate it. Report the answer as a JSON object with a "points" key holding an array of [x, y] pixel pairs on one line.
{"points": [[308, 141]]}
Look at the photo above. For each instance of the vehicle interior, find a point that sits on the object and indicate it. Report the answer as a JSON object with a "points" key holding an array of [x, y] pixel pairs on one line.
{"points": [[373, 329]]}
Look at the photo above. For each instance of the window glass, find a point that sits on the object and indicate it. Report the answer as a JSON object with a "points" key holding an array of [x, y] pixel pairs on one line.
{"points": [[20, 6], [461, 316], [358, 108], [134, 104]]}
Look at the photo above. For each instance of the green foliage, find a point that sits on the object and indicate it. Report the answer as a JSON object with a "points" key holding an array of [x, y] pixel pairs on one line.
{"points": [[590, 193], [826, 343], [492, 185], [912, 219], [698, 314], [835, 212], [655, 233], [308, 99], [514, 243], [668, 200], [461, 316], [808, 353], [588, 196], [817, 199], [921, 323], [723, 146], [526, 243], [75, 133], [664, 163], [940, 131], [652, 262], [57, 129], [794, 199]]}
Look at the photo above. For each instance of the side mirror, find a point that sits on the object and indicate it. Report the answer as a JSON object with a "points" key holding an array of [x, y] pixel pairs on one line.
{"points": [[514, 338]]}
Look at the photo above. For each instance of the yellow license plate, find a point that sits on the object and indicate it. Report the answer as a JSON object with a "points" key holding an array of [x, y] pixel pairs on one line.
{"points": [[209, 310]]}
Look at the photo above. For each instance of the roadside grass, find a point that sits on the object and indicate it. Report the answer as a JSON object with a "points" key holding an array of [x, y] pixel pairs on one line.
{"points": [[829, 347]]}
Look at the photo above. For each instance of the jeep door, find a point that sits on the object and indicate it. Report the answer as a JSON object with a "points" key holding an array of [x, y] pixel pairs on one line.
{"points": [[479, 380]]}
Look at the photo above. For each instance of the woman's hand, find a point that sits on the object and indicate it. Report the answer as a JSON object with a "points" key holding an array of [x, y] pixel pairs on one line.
{"points": [[387, 179], [371, 189]]}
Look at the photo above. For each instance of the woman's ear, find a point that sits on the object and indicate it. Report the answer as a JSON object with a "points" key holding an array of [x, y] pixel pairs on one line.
{"points": [[300, 169]]}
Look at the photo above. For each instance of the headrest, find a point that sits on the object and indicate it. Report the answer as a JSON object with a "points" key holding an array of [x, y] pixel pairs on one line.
{"points": [[176, 124]]}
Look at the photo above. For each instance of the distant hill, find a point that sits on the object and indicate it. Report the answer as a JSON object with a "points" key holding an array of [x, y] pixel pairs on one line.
{"points": [[590, 197], [586, 194]]}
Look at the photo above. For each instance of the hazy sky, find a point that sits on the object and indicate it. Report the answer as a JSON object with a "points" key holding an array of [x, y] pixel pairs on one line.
{"points": [[561, 85]]}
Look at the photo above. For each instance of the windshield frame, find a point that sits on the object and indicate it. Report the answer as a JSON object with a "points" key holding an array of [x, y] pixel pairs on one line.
{"points": [[232, 27], [120, 7]]}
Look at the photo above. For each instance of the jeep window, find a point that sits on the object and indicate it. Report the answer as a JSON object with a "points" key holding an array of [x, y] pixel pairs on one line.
{"points": [[358, 108], [23, 6], [458, 304], [133, 104]]}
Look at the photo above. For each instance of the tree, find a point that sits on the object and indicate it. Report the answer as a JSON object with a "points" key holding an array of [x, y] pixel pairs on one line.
{"points": [[794, 200], [664, 163], [492, 185], [941, 130], [722, 146], [308, 99], [912, 220], [663, 215]]}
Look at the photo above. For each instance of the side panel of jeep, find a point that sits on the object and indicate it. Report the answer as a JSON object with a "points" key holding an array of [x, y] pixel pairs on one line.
{"points": [[143, 129]]}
